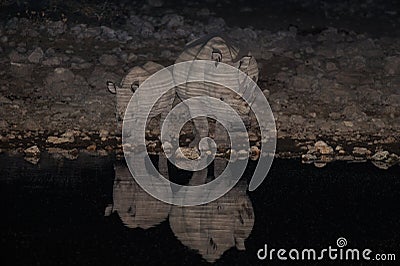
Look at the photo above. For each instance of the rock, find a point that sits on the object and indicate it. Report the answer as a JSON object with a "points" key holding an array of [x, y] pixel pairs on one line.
{"points": [[378, 123], [4, 39], [335, 115], [4, 125], [348, 123], [138, 26], [215, 24], [389, 161], [103, 134], [102, 153], [31, 124], [32, 151], [340, 150], [330, 66], [32, 160], [361, 152], [4, 100], [394, 100], [323, 148], [358, 62], [60, 75], [123, 36], [16, 57], [60, 140], [348, 78], [353, 112], [55, 28], [308, 157], [172, 21], [36, 56], [297, 119], [301, 83], [282, 77], [380, 156], [92, 147], [309, 50], [107, 32], [20, 70], [50, 52], [392, 65], [132, 57], [166, 54], [52, 61], [108, 60]]}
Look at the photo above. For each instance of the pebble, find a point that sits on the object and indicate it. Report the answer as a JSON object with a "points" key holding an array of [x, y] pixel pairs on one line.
{"points": [[108, 33], [323, 148], [60, 140], [330, 66], [380, 156], [52, 61], [36, 56], [32, 151], [92, 147], [108, 60], [132, 57], [172, 21], [32, 160], [55, 28], [361, 151]]}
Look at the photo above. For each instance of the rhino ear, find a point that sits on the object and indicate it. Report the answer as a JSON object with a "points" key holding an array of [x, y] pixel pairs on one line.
{"points": [[134, 86], [109, 210], [244, 63], [111, 87], [216, 56]]}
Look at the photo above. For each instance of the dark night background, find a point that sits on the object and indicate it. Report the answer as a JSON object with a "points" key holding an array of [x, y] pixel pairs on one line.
{"points": [[329, 69]]}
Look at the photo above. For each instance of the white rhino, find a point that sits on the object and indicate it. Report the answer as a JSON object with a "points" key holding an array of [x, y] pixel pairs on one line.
{"points": [[217, 48]]}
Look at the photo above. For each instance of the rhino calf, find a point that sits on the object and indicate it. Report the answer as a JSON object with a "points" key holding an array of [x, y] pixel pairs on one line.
{"points": [[135, 77]]}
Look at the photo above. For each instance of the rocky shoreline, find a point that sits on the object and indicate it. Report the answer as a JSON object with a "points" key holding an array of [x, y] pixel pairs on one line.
{"points": [[332, 85]]}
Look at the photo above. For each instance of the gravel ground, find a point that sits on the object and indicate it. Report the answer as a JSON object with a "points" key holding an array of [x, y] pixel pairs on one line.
{"points": [[324, 82]]}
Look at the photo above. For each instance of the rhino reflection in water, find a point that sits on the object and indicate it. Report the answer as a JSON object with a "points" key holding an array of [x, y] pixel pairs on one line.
{"points": [[134, 206], [213, 228]]}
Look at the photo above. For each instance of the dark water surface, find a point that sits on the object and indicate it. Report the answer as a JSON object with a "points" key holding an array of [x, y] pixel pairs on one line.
{"points": [[53, 214]]}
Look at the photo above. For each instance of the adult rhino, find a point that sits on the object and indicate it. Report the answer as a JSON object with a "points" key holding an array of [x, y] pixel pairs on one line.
{"points": [[218, 48]]}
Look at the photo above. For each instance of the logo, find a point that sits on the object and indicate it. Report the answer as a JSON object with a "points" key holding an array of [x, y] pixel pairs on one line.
{"points": [[206, 78], [329, 253]]}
